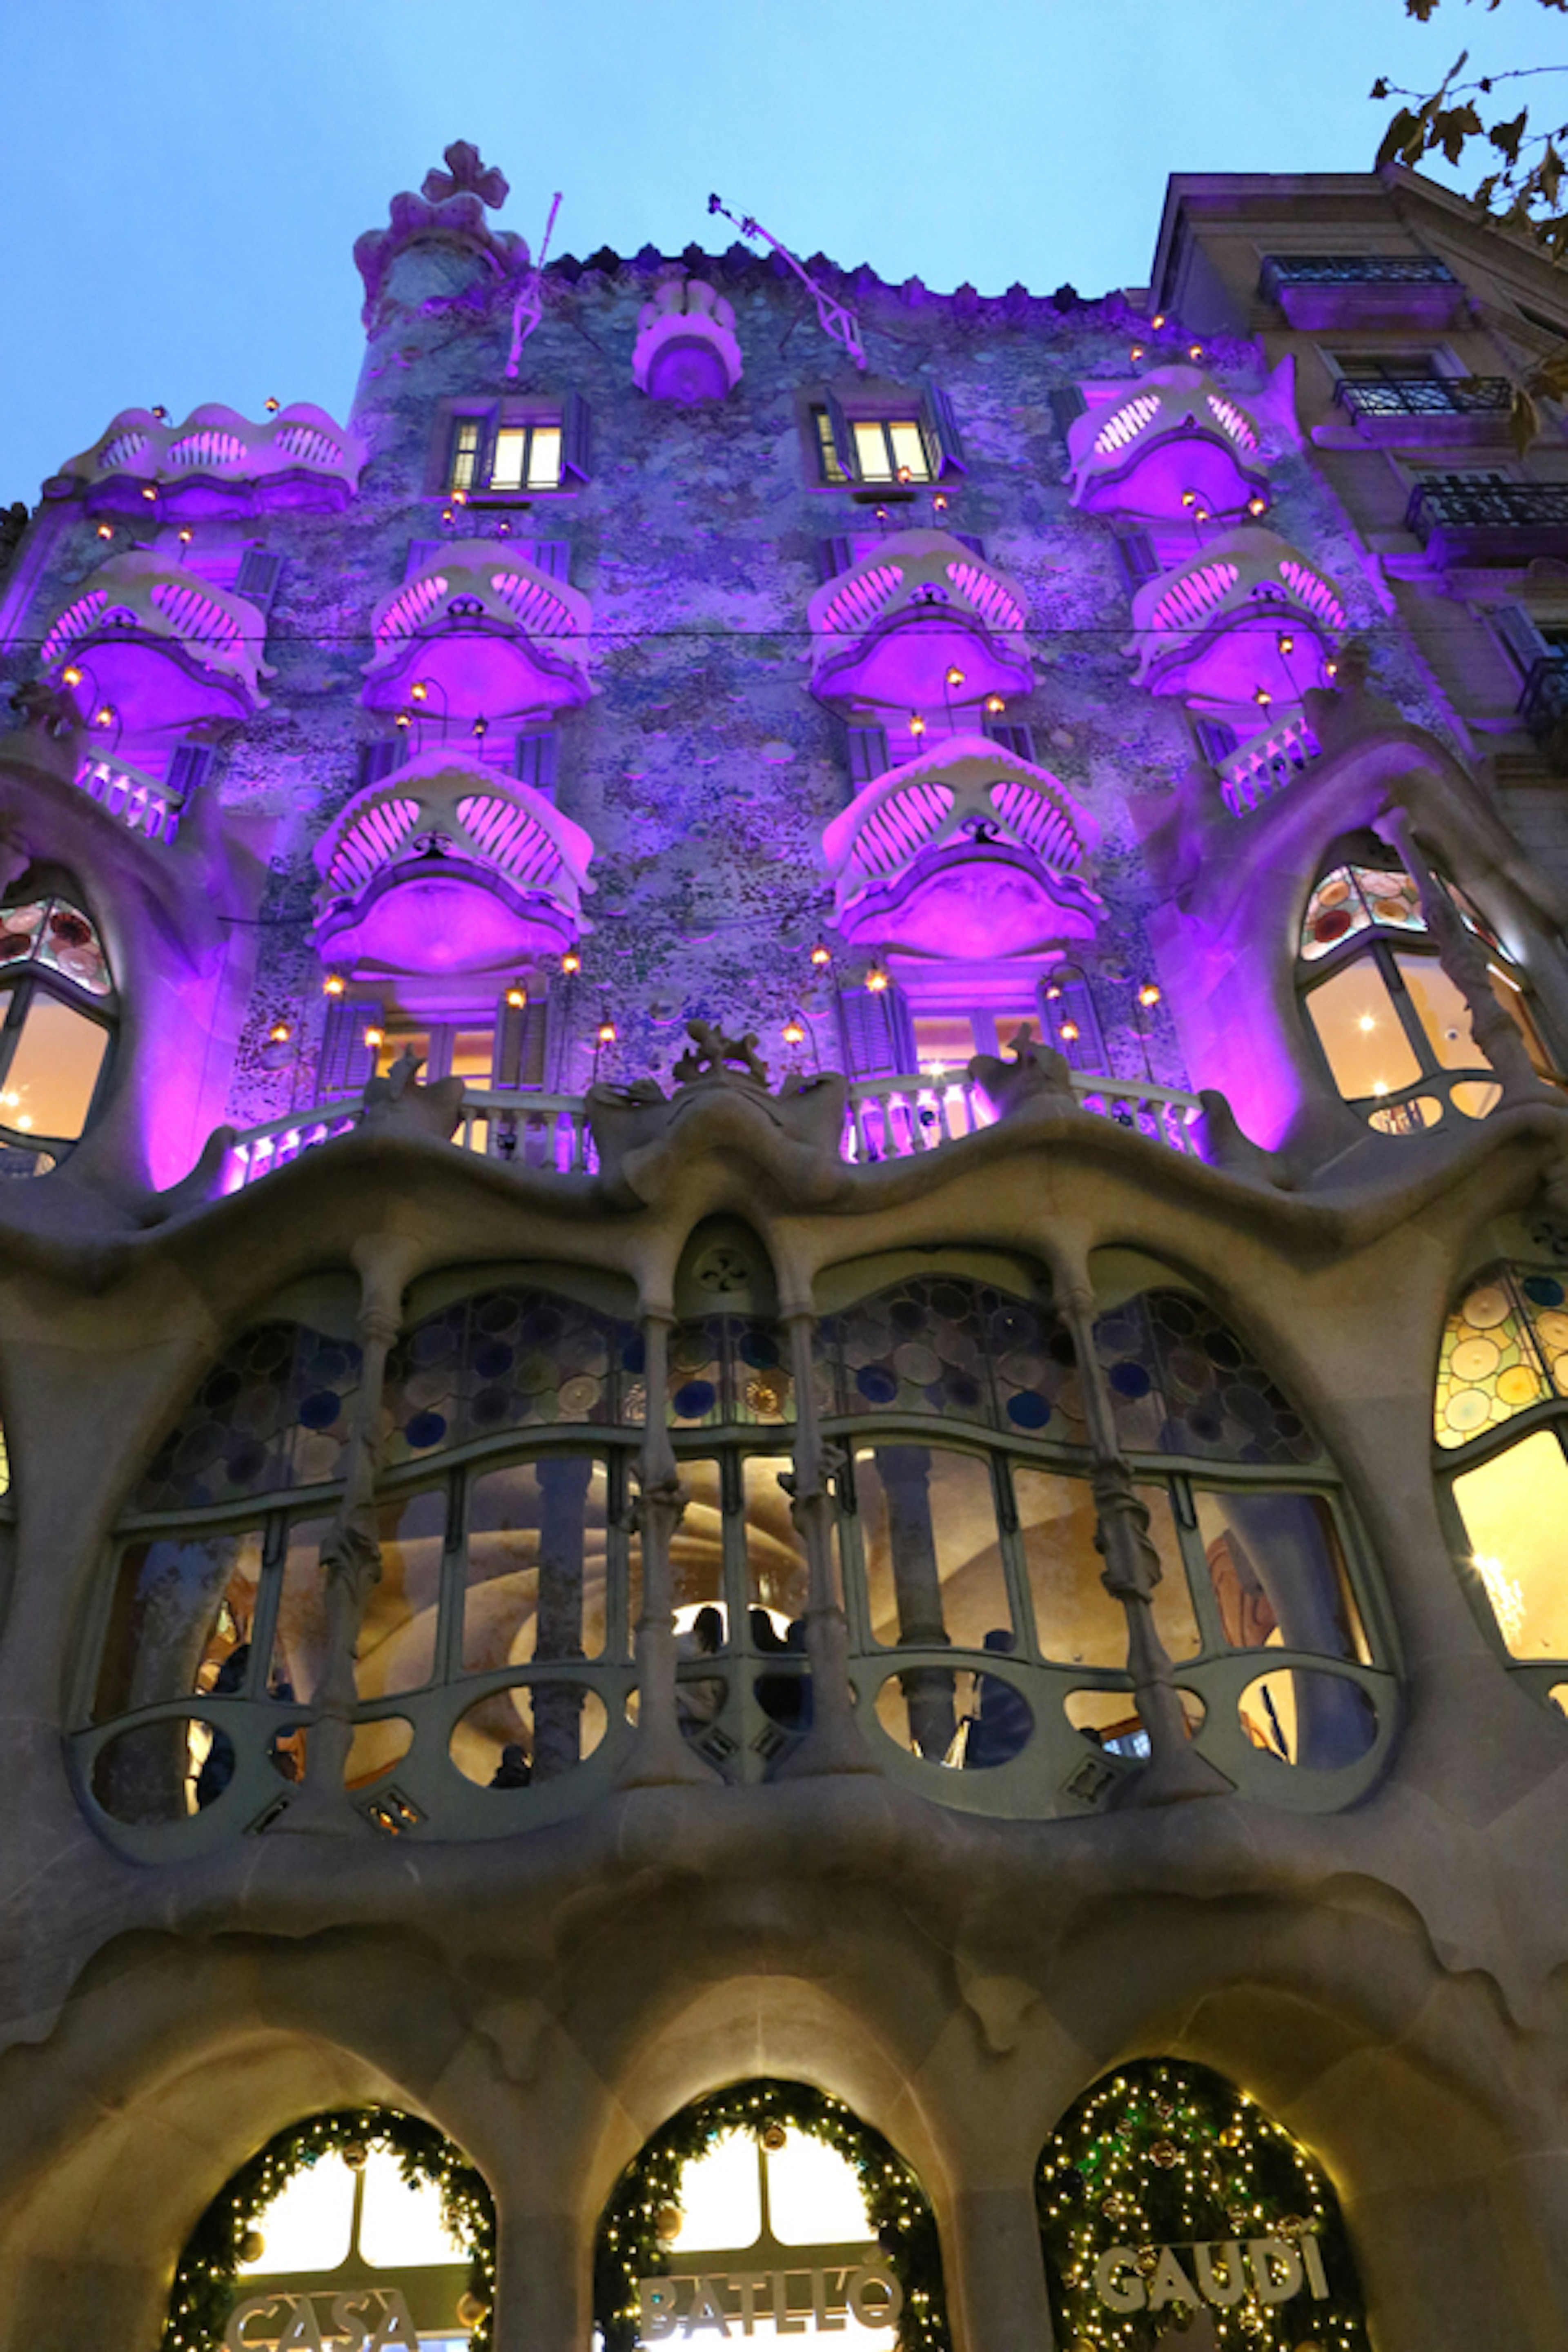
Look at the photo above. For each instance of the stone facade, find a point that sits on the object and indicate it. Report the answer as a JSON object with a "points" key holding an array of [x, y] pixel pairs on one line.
{"points": [[876, 970]]}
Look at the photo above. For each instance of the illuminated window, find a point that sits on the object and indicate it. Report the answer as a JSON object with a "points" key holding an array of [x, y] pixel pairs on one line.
{"points": [[891, 449], [508, 451], [56, 1021], [1393, 1029], [906, 439]]}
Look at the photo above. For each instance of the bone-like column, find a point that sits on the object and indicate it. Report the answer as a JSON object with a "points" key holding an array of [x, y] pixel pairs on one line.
{"points": [[834, 1743], [660, 1754]]}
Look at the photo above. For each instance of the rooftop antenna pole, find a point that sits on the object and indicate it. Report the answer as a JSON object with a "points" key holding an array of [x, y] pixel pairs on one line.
{"points": [[529, 307], [835, 319]]}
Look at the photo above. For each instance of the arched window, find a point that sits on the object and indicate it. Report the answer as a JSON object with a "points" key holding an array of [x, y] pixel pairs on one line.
{"points": [[1166, 2196], [1393, 1027], [769, 2207], [363, 2213], [967, 1533], [1500, 1424], [58, 1016]]}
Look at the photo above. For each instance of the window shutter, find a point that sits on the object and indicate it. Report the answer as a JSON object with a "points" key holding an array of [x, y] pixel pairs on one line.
{"points": [[257, 577], [520, 1042], [1075, 1005], [575, 432], [347, 1064], [843, 438], [551, 556], [1520, 636], [420, 551], [1217, 742], [535, 761], [942, 431], [876, 1031], [868, 753], [834, 556], [1013, 737], [1135, 554], [1068, 405], [377, 760], [967, 538], [189, 766]]}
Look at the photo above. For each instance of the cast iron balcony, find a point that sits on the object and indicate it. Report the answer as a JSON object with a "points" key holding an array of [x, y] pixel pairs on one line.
{"points": [[1348, 289], [1544, 706], [215, 463], [1437, 410], [1469, 520]]}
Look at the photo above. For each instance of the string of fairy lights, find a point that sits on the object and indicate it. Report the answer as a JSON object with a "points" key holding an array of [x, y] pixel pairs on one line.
{"points": [[1168, 2156], [644, 2212], [203, 2291]]}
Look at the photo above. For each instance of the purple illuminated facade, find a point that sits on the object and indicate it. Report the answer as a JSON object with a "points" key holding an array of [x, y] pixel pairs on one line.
{"points": [[769, 1064]]}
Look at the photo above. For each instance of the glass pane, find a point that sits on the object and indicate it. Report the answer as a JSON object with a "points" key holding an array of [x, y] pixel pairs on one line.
{"points": [[48, 1086], [300, 1644], [19, 931], [943, 1041], [872, 451], [776, 1575], [719, 2202], [1359, 1030], [375, 1747], [827, 455], [1182, 1383], [1278, 1575], [401, 2226], [398, 1639], [535, 1578], [1008, 1025], [1318, 1721], [154, 1772], [1516, 1004], [1487, 1370], [1514, 1510], [934, 1557], [909, 459], [696, 1552], [510, 457], [1444, 1016], [464, 450], [184, 1609], [1334, 912], [519, 1737], [1077, 1620], [815, 2196], [544, 457], [398, 1041], [68, 943], [1392, 900], [473, 1053], [306, 2226]]}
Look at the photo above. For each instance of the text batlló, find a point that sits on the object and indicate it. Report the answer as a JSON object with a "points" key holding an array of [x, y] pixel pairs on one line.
{"points": [[1275, 2269], [872, 2294], [374, 2319]]}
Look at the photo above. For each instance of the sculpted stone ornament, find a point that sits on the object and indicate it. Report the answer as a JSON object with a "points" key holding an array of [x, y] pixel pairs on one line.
{"points": [[722, 1104], [466, 172], [1037, 1078], [451, 207], [396, 1104]]}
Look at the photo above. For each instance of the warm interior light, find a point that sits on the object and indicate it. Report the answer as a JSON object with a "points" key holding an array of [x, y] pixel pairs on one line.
{"points": [[418, 692], [70, 675], [1379, 1085], [794, 1034], [821, 955], [517, 996], [955, 677], [1366, 1022], [25, 1122], [1148, 993], [876, 980], [333, 984], [280, 1033], [571, 961]]}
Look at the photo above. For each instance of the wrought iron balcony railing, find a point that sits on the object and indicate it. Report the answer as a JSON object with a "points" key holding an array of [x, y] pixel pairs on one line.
{"points": [[1427, 396], [1354, 269], [1475, 517], [1333, 290]]}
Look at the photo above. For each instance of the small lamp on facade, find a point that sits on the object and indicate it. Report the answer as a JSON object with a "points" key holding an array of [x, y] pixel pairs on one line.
{"points": [[517, 996], [876, 978], [571, 963], [333, 984]]}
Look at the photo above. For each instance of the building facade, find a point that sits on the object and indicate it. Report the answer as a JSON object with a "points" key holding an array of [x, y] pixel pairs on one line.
{"points": [[783, 1324]]}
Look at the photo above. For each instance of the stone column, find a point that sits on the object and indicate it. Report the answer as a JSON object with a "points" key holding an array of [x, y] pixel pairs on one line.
{"points": [[351, 1556], [541, 2302], [996, 2274], [1174, 1770], [917, 1587], [564, 1481], [833, 1744], [1463, 957], [658, 1755]]}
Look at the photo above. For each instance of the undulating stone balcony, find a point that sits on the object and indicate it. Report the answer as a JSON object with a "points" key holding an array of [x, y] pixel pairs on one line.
{"points": [[968, 851], [447, 865], [140, 801], [897, 1117], [479, 636], [918, 623], [1266, 763], [1318, 290], [146, 648], [217, 463], [1167, 444], [1466, 518], [1248, 619]]}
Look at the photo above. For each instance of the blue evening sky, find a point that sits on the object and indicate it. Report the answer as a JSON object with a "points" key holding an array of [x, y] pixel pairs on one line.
{"points": [[182, 181]]}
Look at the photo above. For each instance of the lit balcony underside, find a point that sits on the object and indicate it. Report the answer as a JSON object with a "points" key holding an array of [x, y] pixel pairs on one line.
{"points": [[920, 622], [157, 649], [1163, 445], [969, 853], [1248, 621], [217, 463], [1186, 472], [446, 867], [479, 634]]}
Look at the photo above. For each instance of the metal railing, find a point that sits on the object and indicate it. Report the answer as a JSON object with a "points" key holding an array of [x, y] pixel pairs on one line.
{"points": [[1426, 396], [1354, 269], [1472, 503], [891, 1117]]}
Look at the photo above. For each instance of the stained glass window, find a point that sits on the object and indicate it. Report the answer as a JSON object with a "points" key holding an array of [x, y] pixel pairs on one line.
{"points": [[1352, 899], [939, 1344], [727, 1369], [1504, 1346], [52, 932], [511, 1358], [274, 1412], [1182, 1383]]}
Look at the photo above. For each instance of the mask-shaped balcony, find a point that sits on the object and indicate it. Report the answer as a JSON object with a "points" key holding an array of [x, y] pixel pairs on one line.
{"points": [[1246, 621], [686, 349], [1168, 445], [478, 633], [145, 647], [969, 852], [215, 463], [447, 867], [918, 623]]}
